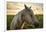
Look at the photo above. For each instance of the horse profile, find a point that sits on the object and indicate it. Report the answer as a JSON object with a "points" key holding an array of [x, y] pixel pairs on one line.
{"points": [[26, 15]]}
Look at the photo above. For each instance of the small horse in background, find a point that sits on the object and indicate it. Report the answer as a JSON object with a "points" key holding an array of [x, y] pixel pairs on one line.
{"points": [[26, 15]]}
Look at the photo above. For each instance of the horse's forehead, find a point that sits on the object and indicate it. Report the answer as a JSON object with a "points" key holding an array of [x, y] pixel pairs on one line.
{"points": [[26, 12]]}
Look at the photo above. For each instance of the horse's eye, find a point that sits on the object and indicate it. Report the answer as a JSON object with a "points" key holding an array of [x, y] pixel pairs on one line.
{"points": [[31, 15]]}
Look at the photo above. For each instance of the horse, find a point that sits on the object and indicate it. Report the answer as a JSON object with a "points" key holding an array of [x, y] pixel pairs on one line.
{"points": [[24, 16]]}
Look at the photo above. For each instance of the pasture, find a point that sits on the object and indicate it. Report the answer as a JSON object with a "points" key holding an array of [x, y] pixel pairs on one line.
{"points": [[10, 17]]}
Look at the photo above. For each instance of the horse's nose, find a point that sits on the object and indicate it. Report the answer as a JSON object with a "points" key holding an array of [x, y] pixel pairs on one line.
{"points": [[36, 24]]}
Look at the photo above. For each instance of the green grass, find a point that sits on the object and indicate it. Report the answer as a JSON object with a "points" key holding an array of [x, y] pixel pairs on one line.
{"points": [[10, 17]]}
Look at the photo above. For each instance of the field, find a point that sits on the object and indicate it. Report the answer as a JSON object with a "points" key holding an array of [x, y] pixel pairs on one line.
{"points": [[10, 17]]}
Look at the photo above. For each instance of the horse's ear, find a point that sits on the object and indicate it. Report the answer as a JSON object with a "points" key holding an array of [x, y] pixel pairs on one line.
{"points": [[25, 6]]}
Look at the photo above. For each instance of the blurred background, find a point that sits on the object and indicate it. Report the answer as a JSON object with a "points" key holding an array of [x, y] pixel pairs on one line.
{"points": [[14, 7]]}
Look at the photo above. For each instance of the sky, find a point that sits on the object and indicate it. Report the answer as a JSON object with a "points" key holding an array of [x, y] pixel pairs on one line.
{"points": [[15, 7]]}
